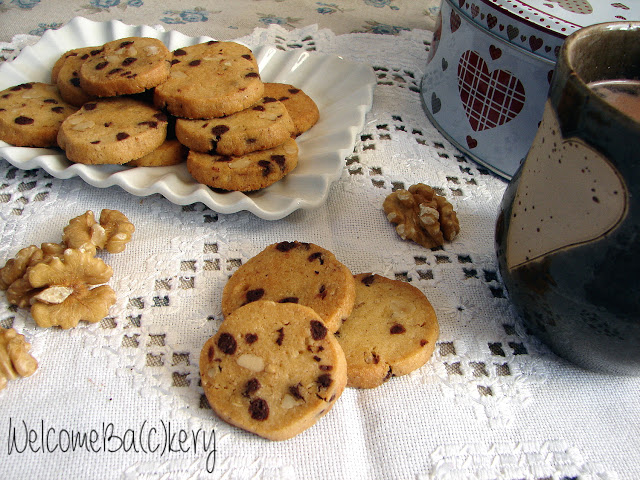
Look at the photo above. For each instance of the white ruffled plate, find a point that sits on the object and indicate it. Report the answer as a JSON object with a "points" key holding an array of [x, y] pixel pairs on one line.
{"points": [[343, 91]]}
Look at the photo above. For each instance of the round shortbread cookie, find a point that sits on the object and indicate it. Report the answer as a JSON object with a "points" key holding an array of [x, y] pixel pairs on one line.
{"points": [[112, 131], [294, 272], [303, 110], [264, 125], [272, 369], [68, 77], [55, 69], [391, 331], [210, 80], [246, 173], [125, 66], [171, 152], [31, 114]]}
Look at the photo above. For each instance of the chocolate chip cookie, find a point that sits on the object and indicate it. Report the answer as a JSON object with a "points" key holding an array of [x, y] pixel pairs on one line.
{"points": [[112, 131], [125, 66], [209, 80], [272, 369], [245, 173], [264, 125], [301, 107], [391, 331], [31, 114], [294, 272]]}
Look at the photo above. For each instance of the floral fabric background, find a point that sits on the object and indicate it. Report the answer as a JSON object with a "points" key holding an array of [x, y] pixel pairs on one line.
{"points": [[222, 19]]}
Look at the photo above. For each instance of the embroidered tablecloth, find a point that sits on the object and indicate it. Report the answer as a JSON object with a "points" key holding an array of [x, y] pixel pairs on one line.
{"points": [[122, 398]]}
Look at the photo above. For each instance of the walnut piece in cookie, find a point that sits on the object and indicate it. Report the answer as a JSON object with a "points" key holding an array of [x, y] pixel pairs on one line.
{"points": [[66, 289], [15, 359], [112, 233], [422, 216]]}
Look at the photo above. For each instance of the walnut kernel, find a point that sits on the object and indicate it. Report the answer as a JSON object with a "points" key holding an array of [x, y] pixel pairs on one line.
{"points": [[422, 216], [66, 295], [16, 267], [15, 359], [118, 229], [112, 233]]}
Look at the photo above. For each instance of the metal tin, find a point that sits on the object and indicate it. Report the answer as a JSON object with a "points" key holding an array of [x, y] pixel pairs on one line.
{"points": [[490, 66]]}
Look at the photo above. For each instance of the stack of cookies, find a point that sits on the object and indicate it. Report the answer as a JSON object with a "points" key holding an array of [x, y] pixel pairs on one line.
{"points": [[132, 101], [298, 328]]}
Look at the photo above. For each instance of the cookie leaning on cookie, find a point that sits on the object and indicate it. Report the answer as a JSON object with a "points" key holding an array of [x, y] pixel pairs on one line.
{"points": [[67, 75], [301, 107], [272, 369], [391, 331]]}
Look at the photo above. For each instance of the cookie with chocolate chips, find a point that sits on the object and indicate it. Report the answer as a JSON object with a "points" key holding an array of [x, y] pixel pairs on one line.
{"points": [[125, 66], [244, 173], [31, 114], [171, 152], [264, 125], [303, 110], [112, 131], [272, 369], [210, 80], [55, 69], [68, 75], [391, 331], [294, 272]]}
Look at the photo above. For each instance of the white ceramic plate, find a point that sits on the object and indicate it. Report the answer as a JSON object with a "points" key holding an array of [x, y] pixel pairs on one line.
{"points": [[343, 91]]}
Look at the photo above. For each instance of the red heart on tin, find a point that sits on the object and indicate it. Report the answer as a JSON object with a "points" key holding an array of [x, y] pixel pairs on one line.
{"points": [[471, 142], [454, 21], [490, 99], [495, 52], [535, 43]]}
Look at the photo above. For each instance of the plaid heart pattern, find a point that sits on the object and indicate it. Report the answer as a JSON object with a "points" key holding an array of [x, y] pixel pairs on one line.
{"points": [[489, 98]]}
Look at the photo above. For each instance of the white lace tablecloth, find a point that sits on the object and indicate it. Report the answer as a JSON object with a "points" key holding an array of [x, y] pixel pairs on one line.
{"points": [[492, 403]]}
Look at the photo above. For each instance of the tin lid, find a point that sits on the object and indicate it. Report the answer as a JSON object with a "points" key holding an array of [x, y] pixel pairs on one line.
{"points": [[541, 26]]}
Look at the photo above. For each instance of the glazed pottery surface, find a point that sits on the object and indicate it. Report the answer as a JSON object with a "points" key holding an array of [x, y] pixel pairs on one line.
{"points": [[568, 233]]}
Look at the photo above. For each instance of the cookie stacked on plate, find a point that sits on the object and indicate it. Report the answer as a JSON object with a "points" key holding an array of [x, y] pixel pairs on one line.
{"points": [[132, 101]]}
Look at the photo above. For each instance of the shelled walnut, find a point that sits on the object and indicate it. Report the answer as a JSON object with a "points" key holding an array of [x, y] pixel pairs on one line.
{"points": [[59, 281], [16, 267], [15, 359], [112, 233], [13, 274], [67, 292], [422, 216]]}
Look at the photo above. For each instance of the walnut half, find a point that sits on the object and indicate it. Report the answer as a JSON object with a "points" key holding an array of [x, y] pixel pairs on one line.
{"points": [[66, 292], [422, 216], [13, 276], [15, 359], [112, 233]]}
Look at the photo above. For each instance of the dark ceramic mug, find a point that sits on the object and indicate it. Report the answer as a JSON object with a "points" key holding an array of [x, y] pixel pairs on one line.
{"points": [[568, 232]]}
